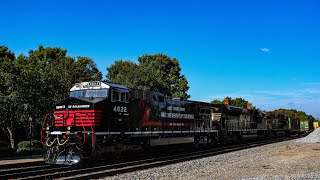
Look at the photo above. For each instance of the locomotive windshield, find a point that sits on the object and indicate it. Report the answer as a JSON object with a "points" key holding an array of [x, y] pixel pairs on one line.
{"points": [[77, 93], [90, 93]]}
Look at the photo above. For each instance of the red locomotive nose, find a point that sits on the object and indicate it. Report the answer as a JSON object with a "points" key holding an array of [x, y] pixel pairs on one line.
{"points": [[76, 118]]}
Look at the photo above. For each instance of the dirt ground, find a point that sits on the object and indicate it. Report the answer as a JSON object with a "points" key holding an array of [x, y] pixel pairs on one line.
{"points": [[288, 160], [293, 159], [305, 158]]}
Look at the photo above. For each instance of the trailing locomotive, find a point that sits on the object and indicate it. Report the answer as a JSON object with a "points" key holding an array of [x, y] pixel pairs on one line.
{"points": [[100, 119]]}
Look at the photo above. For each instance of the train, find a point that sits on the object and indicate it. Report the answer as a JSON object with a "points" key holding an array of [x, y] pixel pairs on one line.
{"points": [[101, 119]]}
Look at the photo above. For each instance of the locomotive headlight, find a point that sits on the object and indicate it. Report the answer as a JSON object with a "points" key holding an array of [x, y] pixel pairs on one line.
{"points": [[69, 128]]}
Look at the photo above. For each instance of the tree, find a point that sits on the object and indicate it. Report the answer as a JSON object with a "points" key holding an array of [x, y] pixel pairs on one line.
{"points": [[293, 113], [86, 70], [9, 99], [216, 101], [239, 102], [162, 73], [156, 72], [31, 85], [125, 73], [49, 74]]}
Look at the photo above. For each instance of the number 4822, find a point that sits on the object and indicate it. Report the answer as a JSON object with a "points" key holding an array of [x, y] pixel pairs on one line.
{"points": [[120, 109]]}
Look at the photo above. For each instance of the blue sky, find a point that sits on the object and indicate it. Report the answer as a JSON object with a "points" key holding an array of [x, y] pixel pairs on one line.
{"points": [[264, 51]]}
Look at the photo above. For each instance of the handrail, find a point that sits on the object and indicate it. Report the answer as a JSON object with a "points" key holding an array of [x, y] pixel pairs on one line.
{"points": [[84, 129], [92, 135], [43, 123], [92, 138]]}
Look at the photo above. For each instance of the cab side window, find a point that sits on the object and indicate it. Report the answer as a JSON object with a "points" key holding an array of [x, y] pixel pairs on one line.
{"points": [[117, 96], [158, 98]]}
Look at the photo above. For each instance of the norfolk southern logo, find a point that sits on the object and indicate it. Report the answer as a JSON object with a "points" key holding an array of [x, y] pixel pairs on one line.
{"points": [[73, 106], [177, 115], [78, 106]]}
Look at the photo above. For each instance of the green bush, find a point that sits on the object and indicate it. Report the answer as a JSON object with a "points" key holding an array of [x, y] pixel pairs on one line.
{"points": [[23, 147]]}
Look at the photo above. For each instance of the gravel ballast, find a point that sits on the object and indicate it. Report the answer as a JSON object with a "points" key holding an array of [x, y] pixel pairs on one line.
{"points": [[295, 159]]}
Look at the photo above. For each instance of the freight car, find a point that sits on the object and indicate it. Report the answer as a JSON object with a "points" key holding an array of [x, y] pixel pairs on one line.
{"points": [[294, 125], [315, 124], [100, 119], [304, 125]]}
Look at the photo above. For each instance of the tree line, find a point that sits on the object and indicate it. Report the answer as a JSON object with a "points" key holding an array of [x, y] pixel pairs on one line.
{"points": [[240, 102], [292, 113], [157, 72], [31, 85]]}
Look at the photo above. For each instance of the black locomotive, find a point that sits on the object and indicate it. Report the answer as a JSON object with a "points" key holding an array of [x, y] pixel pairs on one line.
{"points": [[101, 119]]}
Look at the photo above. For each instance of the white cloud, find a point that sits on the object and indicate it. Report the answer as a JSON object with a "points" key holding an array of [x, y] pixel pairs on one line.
{"points": [[311, 91], [266, 50]]}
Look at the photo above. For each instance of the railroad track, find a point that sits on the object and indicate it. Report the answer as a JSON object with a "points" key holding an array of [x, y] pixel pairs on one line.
{"points": [[31, 170], [99, 170]]}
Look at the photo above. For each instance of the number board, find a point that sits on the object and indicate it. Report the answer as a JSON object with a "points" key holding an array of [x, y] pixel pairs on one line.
{"points": [[121, 109], [94, 84]]}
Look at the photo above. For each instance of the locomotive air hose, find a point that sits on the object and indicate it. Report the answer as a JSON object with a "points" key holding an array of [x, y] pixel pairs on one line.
{"points": [[57, 139]]}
